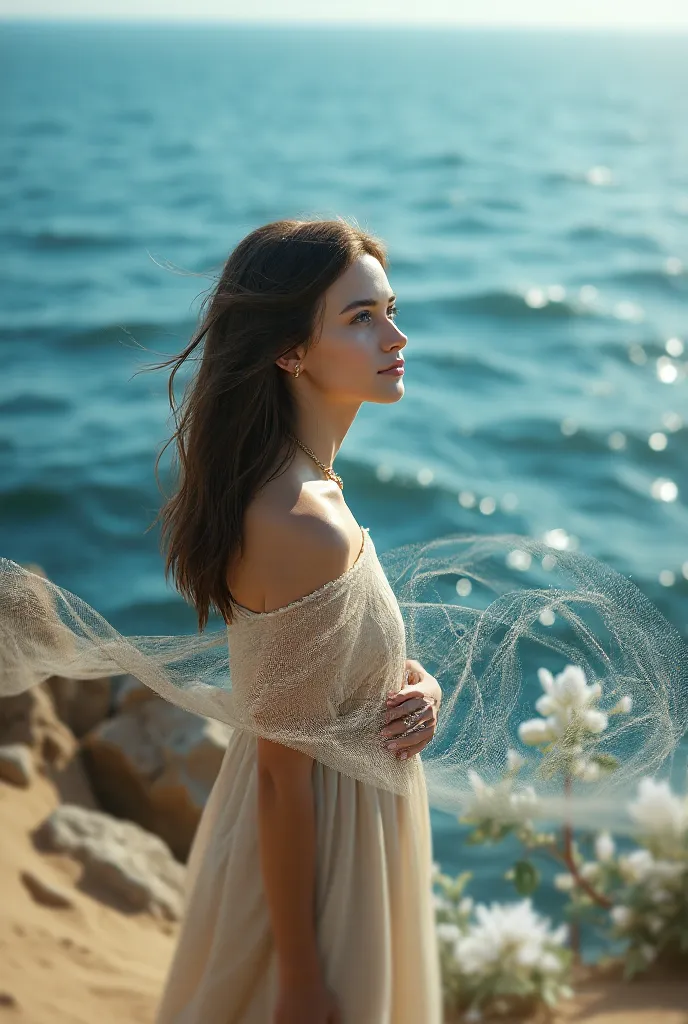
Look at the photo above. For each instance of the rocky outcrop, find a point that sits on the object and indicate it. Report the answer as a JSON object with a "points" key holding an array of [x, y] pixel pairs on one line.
{"points": [[45, 893], [155, 764], [16, 764], [80, 703], [30, 719], [122, 863]]}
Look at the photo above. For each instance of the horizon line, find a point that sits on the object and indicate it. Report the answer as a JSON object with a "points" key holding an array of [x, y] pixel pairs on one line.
{"points": [[57, 19]]}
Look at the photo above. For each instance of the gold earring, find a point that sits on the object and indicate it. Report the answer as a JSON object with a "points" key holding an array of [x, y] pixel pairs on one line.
{"points": [[297, 370]]}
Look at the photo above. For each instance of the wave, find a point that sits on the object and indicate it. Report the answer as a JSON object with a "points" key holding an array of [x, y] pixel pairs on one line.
{"points": [[27, 402], [606, 235], [33, 501], [504, 304]]}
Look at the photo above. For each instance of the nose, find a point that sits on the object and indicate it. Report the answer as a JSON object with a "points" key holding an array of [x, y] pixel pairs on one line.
{"points": [[397, 338]]}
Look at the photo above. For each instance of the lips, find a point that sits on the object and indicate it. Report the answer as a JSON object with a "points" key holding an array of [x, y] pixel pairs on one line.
{"points": [[392, 366]]}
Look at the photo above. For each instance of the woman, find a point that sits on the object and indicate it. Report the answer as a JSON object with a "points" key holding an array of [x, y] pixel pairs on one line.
{"points": [[309, 890]]}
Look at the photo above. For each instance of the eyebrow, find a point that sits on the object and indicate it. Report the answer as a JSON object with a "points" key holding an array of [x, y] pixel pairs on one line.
{"points": [[357, 303]]}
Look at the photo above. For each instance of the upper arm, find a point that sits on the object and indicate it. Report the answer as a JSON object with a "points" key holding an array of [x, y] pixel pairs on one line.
{"points": [[298, 552]]}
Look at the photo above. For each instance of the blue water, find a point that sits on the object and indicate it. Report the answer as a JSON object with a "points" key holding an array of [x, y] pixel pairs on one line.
{"points": [[533, 192]]}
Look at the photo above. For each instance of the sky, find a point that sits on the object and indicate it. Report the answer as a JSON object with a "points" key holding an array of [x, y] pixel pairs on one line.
{"points": [[622, 14]]}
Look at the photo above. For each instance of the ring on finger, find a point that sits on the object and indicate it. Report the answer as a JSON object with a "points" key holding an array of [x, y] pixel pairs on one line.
{"points": [[413, 716]]}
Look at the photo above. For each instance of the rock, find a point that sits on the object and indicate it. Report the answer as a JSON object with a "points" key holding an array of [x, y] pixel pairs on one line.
{"points": [[45, 892], [128, 865], [130, 692], [80, 703], [16, 764], [155, 764], [30, 718]]}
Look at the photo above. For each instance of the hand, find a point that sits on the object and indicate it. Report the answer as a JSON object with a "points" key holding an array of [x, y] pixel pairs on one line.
{"points": [[310, 1003], [421, 695]]}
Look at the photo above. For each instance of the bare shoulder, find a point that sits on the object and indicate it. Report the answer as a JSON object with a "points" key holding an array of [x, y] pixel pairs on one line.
{"points": [[292, 551]]}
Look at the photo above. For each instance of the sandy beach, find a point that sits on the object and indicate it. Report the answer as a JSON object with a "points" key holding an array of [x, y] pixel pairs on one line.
{"points": [[95, 960]]}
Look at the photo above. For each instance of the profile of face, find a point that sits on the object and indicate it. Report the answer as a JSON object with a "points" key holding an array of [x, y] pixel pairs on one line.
{"points": [[358, 338]]}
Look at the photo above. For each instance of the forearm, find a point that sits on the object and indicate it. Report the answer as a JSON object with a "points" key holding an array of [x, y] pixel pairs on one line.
{"points": [[286, 817]]}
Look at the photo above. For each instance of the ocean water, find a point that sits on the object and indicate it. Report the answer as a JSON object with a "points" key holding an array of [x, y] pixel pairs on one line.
{"points": [[533, 191]]}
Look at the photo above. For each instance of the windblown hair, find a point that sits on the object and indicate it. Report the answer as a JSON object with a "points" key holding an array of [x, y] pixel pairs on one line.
{"points": [[234, 429]]}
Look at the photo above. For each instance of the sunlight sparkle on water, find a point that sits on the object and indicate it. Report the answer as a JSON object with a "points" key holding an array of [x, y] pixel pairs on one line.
{"points": [[549, 562], [667, 371], [616, 441], [509, 502], [535, 298], [672, 421], [425, 476], [657, 441], [568, 427], [487, 505], [599, 175], [673, 266], [637, 354], [628, 311], [663, 489], [667, 578], [518, 559], [588, 294], [674, 347], [384, 472], [463, 587], [547, 617], [467, 499]]}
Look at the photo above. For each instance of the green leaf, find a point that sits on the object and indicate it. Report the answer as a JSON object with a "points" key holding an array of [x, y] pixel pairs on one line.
{"points": [[606, 761], [526, 877]]}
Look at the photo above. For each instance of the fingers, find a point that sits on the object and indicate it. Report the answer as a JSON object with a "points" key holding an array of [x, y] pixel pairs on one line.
{"points": [[408, 707], [396, 726], [404, 694], [403, 744]]}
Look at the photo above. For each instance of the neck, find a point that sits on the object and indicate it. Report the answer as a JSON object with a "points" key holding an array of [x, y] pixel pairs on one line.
{"points": [[321, 425]]}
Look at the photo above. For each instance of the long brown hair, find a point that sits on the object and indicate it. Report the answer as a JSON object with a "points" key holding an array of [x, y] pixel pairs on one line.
{"points": [[238, 414]]}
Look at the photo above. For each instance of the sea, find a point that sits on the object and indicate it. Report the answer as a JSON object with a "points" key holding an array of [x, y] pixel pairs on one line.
{"points": [[532, 189]]}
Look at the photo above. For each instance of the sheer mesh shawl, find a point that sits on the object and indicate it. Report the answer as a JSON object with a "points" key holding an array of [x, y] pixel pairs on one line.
{"points": [[314, 674]]}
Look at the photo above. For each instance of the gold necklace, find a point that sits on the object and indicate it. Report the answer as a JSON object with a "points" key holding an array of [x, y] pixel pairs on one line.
{"points": [[328, 470]]}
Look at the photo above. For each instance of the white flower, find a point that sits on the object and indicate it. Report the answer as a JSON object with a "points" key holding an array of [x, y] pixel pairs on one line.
{"points": [[466, 905], [536, 731], [564, 882], [658, 812], [586, 771], [501, 802], [655, 923], [636, 866], [594, 721], [590, 871], [621, 916], [505, 937], [648, 953], [604, 847], [473, 1016], [514, 760], [622, 706], [448, 932], [567, 702]]}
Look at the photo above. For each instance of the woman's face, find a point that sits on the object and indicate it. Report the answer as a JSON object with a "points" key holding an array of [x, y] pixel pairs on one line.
{"points": [[358, 338]]}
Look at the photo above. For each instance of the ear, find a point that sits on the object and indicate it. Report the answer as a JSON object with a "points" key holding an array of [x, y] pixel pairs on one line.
{"points": [[289, 360]]}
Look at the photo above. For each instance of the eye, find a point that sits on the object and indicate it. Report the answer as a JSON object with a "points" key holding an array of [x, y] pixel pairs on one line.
{"points": [[391, 312]]}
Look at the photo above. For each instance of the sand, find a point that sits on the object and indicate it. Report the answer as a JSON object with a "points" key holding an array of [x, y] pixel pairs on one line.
{"points": [[96, 962]]}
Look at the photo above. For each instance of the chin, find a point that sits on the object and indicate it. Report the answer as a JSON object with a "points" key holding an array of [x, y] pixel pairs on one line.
{"points": [[393, 394]]}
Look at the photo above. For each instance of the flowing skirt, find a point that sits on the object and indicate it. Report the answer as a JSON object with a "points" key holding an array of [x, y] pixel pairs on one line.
{"points": [[374, 908]]}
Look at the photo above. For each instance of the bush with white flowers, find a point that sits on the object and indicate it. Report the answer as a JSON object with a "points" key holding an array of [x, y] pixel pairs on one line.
{"points": [[640, 895], [500, 952]]}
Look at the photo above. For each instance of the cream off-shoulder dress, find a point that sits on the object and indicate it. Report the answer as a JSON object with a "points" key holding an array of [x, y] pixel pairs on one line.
{"points": [[333, 653]]}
